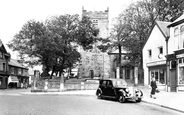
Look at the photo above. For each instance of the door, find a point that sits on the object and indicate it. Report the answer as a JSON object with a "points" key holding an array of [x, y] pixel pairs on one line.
{"points": [[91, 74], [110, 88], [173, 80]]}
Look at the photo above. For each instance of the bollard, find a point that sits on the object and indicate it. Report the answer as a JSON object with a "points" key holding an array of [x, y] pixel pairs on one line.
{"points": [[82, 85], [46, 86]]}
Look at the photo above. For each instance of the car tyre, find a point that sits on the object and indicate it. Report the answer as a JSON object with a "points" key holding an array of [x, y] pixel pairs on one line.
{"points": [[139, 100], [121, 98], [99, 94]]}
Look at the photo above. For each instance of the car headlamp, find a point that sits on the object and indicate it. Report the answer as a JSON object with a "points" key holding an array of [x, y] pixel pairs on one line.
{"points": [[127, 90]]}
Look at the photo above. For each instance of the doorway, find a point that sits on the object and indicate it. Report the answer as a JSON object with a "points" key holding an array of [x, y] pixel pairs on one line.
{"points": [[91, 74], [173, 80]]}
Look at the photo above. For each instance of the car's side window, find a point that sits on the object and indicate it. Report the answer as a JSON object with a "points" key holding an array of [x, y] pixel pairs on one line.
{"points": [[109, 83], [104, 83]]}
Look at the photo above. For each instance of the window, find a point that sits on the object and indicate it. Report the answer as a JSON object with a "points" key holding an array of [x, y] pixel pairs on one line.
{"points": [[12, 70], [1, 55], [181, 75], [149, 53], [95, 22], [176, 38], [4, 67], [159, 75], [181, 37], [19, 71], [173, 65], [160, 50], [1, 80]]}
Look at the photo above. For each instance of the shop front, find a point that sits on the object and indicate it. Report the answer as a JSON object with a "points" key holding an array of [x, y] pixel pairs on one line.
{"points": [[3, 81], [180, 70], [13, 82], [158, 70]]}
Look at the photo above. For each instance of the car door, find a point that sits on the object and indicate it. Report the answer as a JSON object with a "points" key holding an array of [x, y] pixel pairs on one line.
{"points": [[110, 89], [103, 86]]}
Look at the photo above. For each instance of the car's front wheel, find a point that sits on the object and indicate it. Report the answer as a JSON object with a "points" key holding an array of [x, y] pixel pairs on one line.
{"points": [[121, 98], [138, 100], [99, 94]]}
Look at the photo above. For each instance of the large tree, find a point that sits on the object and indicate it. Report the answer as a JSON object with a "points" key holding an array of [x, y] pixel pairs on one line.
{"points": [[138, 19], [54, 43]]}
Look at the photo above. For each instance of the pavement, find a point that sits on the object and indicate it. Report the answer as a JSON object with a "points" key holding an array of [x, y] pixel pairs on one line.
{"points": [[169, 100]]}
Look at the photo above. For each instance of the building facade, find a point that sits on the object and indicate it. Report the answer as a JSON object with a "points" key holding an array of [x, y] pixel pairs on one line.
{"points": [[154, 52], [175, 57], [19, 77], [4, 59]]}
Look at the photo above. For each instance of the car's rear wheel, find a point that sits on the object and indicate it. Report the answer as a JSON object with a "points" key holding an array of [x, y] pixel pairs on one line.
{"points": [[121, 98], [139, 100], [99, 94]]}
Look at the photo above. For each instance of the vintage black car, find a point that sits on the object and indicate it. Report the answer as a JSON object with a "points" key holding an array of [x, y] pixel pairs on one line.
{"points": [[118, 89]]}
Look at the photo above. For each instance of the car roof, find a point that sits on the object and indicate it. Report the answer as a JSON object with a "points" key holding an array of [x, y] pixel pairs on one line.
{"points": [[113, 79]]}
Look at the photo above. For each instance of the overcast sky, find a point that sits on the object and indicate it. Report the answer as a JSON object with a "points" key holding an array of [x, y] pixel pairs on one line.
{"points": [[15, 13]]}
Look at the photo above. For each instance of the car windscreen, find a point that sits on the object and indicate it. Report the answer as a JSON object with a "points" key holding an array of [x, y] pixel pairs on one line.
{"points": [[119, 83]]}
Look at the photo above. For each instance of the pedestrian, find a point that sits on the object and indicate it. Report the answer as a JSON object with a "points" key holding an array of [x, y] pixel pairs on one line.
{"points": [[153, 88]]}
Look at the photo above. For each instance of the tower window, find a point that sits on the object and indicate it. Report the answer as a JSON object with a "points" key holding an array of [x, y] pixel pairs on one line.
{"points": [[95, 22]]}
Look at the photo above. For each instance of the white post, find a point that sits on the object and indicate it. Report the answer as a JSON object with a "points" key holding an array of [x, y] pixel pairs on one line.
{"points": [[136, 75], [117, 73], [62, 83]]}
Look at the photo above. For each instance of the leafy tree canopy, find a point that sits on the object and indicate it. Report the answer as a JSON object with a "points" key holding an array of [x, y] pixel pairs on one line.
{"points": [[54, 43]]}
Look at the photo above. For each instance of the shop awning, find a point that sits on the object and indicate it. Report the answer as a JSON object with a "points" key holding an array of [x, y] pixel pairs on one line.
{"points": [[13, 79]]}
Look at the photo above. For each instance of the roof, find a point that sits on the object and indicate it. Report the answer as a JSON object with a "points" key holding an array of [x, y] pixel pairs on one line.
{"points": [[163, 27], [14, 62], [177, 21]]}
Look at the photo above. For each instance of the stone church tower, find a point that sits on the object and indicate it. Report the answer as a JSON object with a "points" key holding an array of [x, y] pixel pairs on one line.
{"points": [[100, 19], [94, 63]]}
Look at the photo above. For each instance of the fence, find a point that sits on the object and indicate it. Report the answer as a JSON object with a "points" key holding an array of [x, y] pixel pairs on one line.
{"points": [[56, 85]]}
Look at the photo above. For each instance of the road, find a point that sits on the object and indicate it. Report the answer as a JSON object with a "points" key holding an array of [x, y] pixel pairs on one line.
{"points": [[12, 103]]}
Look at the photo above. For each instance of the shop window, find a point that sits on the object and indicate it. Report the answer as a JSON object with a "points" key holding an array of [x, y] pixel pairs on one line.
{"points": [[181, 75], [149, 53], [159, 75]]}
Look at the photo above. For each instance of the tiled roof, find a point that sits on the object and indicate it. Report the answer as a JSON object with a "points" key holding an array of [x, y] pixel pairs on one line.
{"points": [[163, 27], [14, 62]]}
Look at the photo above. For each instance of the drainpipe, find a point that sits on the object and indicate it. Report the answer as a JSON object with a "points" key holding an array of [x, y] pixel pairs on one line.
{"points": [[167, 63]]}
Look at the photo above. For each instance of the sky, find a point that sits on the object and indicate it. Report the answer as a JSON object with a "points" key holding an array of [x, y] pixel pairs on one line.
{"points": [[15, 13]]}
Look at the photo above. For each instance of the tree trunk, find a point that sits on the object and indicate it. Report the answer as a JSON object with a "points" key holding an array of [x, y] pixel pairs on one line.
{"points": [[119, 63]]}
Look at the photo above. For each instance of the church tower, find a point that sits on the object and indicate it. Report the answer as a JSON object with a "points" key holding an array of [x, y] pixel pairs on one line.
{"points": [[100, 19]]}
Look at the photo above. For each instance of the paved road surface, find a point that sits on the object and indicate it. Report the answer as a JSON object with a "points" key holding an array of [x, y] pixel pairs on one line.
{"points": [[17, 104]]}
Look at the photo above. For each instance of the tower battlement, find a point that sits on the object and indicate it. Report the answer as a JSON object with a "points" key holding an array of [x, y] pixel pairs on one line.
{"points": [[96, 14]]}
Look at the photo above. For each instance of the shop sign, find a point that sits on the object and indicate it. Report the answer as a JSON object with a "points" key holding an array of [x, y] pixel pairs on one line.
{"points": [[180, 56], [156, 63]]}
